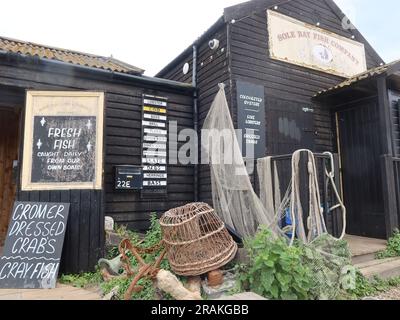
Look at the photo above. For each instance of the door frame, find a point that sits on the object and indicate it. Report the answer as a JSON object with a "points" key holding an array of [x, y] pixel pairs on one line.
{"points": [[16, 169]]}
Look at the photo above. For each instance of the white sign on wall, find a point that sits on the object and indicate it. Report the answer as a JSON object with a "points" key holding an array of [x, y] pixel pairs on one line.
{"points": [[299, 43]]}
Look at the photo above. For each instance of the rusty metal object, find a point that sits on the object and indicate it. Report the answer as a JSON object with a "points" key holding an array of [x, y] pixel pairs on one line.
{"points": [[145, 270], [196, 240]]}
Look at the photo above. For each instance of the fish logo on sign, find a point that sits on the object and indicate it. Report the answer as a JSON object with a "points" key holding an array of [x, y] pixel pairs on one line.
{"points": [[323, 54]]}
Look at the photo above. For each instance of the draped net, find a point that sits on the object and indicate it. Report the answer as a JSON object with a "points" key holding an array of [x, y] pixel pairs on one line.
{"points": [[236, 202]]}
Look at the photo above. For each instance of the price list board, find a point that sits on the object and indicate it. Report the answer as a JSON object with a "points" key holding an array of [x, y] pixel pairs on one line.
{"points": [[154, 146]]}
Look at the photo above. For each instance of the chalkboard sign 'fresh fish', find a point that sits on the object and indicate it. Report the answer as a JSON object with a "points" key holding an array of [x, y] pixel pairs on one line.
{"points": [[34, 243], [63, 143]]}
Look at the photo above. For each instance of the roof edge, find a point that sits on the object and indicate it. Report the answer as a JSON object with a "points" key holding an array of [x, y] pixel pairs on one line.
{"points": [[132, 69], [219, 23], [119, 75], [340, 14]]}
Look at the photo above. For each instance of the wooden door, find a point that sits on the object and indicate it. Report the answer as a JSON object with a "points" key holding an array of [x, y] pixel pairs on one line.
{"points": [[361, 172], [290, 126], [9, 144]]}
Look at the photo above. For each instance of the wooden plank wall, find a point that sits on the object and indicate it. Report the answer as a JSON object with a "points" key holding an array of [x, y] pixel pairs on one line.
{"points": [[9, 131], [247, 58], [212, 69], [123, 146], [394, 100], [251, 62], [85, 235]]}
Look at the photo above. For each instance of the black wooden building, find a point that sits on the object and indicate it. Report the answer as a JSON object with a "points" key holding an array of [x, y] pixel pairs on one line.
{"points": [[244, 54], [365, 110], [355, 117], [27, 66]]}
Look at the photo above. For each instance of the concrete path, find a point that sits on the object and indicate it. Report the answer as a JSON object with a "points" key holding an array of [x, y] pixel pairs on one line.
{"points": [[62, 292], [363, 246]]}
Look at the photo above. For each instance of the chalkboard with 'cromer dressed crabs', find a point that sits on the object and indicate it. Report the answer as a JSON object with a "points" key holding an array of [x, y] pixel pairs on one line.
{"points": [[32, 253]]}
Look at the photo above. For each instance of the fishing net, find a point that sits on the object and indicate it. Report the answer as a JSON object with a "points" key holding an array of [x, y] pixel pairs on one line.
{"points": [[233, 195], [236, 202], [329, 260], [327, 257]]}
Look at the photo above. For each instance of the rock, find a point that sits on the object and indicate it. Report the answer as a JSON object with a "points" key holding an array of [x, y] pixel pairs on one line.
{"points": [[112, 294], [109, 224], [194, 285], [246, 296], [169, 283]]}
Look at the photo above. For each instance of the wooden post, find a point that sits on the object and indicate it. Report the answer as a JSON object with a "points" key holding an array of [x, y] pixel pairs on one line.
{"points": [[385, 116], [389, 195], [337, 218]]}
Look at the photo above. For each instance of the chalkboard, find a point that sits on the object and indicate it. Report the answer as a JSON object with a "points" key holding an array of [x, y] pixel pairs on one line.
{"points": [[64, 149], [251, 119], [32, 252]]}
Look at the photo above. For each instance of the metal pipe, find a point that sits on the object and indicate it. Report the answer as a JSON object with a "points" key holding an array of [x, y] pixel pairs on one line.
{"points": [[195, 123]]}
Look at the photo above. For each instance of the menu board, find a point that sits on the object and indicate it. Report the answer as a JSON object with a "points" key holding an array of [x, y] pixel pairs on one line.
{"points": [[32, 252], [154, 145], [63, 143], [251, 119], [63, 149]]}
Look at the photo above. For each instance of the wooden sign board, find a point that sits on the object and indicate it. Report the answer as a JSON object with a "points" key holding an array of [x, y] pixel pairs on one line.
{"points": [[251, 119], [32, 252], [154, 146], [63, 144], [299, 43]]}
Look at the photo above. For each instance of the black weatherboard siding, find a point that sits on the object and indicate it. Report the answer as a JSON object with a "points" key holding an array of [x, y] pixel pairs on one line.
{"points": [[243, 54], [84, 240]]}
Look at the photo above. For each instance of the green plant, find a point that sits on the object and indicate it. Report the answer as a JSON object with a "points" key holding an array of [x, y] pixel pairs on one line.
{"points": [[81, 280], [152, 238], [393, 247], [370, 287], [276, 270]]}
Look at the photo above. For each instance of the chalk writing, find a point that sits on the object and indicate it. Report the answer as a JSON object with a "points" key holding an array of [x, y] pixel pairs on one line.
{"points": [[33, 246]]}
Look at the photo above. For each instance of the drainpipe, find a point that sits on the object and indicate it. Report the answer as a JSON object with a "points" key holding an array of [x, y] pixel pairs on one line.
{"points": [[195, 122]]}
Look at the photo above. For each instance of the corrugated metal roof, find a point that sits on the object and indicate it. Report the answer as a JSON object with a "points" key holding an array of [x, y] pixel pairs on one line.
{"points": [[362, 76], [68, 56]]}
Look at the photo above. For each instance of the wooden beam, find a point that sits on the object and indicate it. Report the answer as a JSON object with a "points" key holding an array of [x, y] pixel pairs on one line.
{"points": [[385, 118], [389, 195]]}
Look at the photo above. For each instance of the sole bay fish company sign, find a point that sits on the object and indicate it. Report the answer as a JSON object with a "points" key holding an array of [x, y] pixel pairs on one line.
{"points": [[33, 247], [299, 43], [63, 141]]}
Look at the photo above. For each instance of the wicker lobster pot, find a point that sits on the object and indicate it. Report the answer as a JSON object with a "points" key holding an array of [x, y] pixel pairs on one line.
{"points": [[196, 240]]}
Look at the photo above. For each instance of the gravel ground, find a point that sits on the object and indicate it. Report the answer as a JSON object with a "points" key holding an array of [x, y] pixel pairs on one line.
{"points": [[393, 294]]}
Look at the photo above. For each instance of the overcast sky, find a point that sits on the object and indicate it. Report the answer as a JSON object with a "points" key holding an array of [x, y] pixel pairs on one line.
{"points": [[150, 33]]}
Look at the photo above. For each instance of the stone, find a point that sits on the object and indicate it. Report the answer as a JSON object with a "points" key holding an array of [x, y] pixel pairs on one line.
{"points": [[245, 296], [109, 224]]}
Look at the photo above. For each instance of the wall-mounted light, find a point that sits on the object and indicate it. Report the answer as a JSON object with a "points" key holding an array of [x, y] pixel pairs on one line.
{"points": [[318, 24], [353, 36], [276, 8], [233, 21], [186, 68]]}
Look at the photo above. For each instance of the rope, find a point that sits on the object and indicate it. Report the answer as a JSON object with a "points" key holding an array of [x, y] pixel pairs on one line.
{"points": [[331, 177], [315, 220]]}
